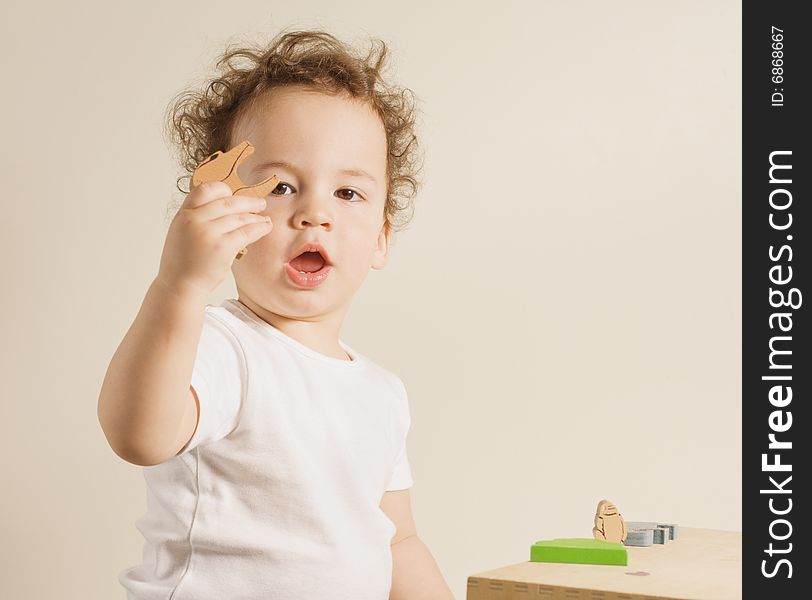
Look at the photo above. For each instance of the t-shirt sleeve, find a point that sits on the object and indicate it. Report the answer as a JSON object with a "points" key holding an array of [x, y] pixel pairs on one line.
{"points": [[401, 477], [218, 379]]}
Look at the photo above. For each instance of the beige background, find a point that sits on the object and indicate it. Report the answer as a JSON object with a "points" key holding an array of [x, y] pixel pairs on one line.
{"points": [[565, 308]]}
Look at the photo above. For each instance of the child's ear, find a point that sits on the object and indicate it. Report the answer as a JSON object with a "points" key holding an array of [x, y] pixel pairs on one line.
{"points": [[381, 254]]}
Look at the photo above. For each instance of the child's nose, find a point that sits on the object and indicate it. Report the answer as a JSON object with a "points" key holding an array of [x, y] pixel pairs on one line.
{"points": [[312, 211]]}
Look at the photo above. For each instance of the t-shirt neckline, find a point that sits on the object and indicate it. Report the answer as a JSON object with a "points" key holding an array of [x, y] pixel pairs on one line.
{"points": [[269, 329]]}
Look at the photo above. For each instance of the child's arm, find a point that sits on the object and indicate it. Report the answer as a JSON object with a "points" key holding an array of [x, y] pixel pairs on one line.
{"points": [[415, 574], [146, 407]]}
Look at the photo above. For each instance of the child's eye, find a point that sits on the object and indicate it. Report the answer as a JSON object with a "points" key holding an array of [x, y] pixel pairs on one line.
{"points": [[351, 191], [348, 194], [281, 183]]}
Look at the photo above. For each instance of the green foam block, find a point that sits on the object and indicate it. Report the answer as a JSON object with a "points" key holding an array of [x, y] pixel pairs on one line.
{"points": [[584, 551]]}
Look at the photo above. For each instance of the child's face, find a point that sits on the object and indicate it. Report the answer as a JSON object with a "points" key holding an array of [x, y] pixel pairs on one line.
{"points": [[318, 136]]}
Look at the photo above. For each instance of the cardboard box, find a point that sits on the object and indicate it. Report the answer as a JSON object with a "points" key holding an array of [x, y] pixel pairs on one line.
{"points": [[701, 564]]}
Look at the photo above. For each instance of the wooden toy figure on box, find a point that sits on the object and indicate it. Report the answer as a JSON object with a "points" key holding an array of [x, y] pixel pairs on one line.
{"points": [[609, 524]]}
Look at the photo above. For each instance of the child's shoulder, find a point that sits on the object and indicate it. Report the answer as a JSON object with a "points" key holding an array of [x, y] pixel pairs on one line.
{"points": [[221, 319], [386, 377], [392, 379], [228, 315]]}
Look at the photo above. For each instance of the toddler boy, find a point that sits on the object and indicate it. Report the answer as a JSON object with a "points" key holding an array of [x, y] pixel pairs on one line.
{"points": [[274, 453]]}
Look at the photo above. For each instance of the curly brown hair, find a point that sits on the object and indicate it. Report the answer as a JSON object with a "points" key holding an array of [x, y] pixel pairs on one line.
{"points": [[199, 123]]}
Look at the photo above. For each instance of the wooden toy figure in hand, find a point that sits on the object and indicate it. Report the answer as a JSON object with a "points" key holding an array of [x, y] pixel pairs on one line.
{"points": [[609, 524], [222, 166]]}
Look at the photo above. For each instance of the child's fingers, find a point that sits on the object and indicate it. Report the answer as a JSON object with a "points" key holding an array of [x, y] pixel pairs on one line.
{"points": [[249, 233], [205, 193], [229, 223], [229, 205]]}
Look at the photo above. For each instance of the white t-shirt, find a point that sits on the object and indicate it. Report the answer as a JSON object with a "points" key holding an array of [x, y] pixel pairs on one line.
{"points": [[277, 495]]}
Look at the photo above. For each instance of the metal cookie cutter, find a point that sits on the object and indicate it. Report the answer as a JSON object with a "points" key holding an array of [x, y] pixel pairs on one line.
{"points": [[222, 166]]}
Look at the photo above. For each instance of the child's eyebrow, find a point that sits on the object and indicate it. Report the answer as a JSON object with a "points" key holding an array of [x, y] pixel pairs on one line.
{"points": [[286, 165]]}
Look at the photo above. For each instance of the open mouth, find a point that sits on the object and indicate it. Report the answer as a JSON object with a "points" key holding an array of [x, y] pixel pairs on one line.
{"points": [[310, 266], [308, 262]]}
